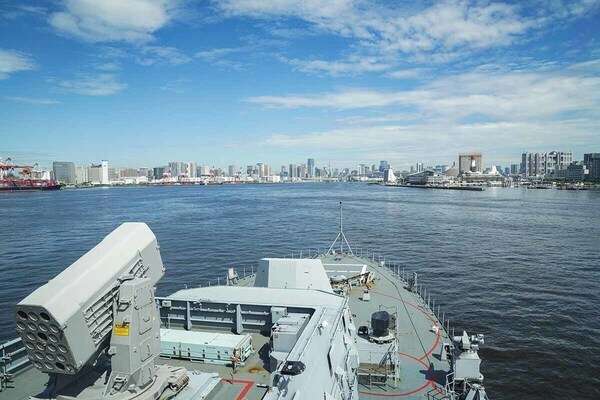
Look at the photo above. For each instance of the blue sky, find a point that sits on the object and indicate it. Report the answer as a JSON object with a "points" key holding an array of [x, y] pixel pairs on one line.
{"points": [[142, 82]]}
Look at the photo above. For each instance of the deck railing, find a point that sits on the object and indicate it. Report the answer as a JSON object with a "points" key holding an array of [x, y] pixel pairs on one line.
{"points": [[13, 360]]}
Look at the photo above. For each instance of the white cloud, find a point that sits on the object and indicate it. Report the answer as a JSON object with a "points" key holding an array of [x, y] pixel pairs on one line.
{"points": [[217, 57], [12, 61], [93, 85], [348, 99], [215, 54], [513, 95], [113, 20], [353, 65], [438, 141], [151, 55], [491, 110], [443, 32], [407, 73], [177, 86], [110, 66], [31, 100], [13, 11]]}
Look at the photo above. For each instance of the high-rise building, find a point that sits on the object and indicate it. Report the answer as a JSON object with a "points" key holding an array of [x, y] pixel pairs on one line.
{"points": [[535, 164], [303, 171], [95, 174], [158, 172], [311, 167], [113, 174], [105, 172], [588, 159], [419, 167], [592, 163], [81, 174], [232, 170], [515, 169], [64, 171], [191, 169], [556, 160], [531, 164], [293, 171], [176, 168], [470, 162], [383, 165], [261, 169], [128, 172], [204, 170]]}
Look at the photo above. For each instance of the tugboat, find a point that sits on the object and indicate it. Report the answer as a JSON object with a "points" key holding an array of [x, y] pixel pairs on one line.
{"points": [[18, 177]]}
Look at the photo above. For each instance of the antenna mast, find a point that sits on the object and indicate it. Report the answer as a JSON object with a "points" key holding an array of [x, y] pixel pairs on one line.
{"points": [[341, 236]]}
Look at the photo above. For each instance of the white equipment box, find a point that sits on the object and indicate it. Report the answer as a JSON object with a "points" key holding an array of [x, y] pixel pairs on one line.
{"points": [[210, 347]]}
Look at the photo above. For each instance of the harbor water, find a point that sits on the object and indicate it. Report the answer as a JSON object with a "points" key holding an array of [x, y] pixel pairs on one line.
{"points": [[520, 266]]}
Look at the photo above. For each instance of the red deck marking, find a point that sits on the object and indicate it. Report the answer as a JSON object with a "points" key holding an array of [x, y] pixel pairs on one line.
{"points": [[436, 388], [246, 389], [437, 336]]}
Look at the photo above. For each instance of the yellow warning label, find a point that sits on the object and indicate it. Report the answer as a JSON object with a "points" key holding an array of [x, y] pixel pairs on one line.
{"points": [[122, 329]]}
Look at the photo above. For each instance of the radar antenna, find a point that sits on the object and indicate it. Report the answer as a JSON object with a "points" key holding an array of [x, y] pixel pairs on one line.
{"points": [[341, 237]]}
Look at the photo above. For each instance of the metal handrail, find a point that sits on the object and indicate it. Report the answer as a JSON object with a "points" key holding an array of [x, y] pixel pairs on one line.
{"points": [[13, 360]]}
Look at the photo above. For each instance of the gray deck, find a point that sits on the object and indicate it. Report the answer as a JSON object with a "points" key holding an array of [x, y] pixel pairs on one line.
{"points": [[422, 373]]}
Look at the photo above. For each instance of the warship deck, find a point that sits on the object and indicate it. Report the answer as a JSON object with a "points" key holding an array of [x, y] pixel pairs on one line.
{"points": [[422, 372]]}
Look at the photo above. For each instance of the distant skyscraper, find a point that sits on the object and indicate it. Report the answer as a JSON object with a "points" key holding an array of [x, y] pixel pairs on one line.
{"points": [[311, 167], [383, 165], [204, 170], [419, 167], [177, 168], [64, 171], [104, 173], [592, 162], [470, 162], [515, 169], [95, 174], [82, 174], [232, 170], [588, 159], [191, 169], [261, 169], [158, 172]]}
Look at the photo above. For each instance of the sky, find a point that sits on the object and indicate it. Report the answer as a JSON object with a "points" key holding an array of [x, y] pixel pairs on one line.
{"points": [[145, 82]]}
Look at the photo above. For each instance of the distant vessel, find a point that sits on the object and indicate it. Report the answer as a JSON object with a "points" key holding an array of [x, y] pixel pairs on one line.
{"points": [[339, 323], [19, 177]]}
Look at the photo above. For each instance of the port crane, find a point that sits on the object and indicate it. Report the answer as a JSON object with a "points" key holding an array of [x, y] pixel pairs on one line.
{"points": [[14, 175]]}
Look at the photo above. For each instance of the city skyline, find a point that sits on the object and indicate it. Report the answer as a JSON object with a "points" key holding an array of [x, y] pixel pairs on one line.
{"points": [[417, 165], [271, 80]]}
